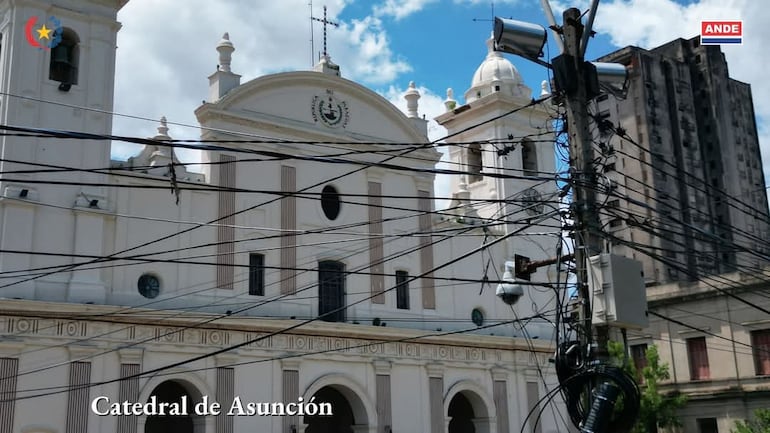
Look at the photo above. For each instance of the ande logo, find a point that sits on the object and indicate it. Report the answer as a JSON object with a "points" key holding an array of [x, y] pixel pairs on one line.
{"points": [[721, 32], [44, 36]]}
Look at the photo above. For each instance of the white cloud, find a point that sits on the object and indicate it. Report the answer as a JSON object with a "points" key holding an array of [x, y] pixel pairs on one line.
{"points": [[488, 2], [368, 43], [399, 9], [167, 50]]}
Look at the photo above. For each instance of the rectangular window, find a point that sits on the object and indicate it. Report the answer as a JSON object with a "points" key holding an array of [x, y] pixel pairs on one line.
{"points": [[331, 291], [760, 345], [256, 274], [528, 157], [475, 163], [617, 222], [699, 360], [707, 425], [639, 358], [402, 290]]}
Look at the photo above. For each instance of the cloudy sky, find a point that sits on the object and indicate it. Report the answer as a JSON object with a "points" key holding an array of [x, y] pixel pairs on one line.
{"points": [[166, 49]]}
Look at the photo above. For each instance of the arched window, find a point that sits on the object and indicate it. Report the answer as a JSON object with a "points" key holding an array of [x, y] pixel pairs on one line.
{"points": [[65, 57], [331, 291], [528, 158], [474, 163]]}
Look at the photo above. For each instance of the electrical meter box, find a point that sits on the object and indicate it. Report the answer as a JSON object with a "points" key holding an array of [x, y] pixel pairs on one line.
{"points": [[618, 294]]}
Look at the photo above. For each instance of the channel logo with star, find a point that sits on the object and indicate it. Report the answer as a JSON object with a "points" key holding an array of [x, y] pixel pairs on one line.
{"points": [[44, 36]]}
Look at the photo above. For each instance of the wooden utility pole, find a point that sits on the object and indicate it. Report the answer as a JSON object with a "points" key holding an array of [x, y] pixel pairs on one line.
{"points": [[587, 241]]}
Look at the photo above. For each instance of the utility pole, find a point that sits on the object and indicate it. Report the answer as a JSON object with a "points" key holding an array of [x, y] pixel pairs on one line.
{"points": [[587, 241], [591, 384]]}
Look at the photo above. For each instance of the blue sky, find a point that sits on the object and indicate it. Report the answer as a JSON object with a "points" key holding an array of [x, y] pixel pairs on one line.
{"points": [[166, 49]]}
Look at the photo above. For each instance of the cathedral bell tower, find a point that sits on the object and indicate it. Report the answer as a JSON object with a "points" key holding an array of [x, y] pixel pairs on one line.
{"points": [[516, 148], [57, 70]]}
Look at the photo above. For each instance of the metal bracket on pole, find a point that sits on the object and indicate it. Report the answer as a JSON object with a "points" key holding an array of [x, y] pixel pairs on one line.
{"points": [[552, 23], [588, 28]]}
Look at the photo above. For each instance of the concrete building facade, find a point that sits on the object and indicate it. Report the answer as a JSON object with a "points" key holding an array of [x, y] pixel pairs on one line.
{"points": [[688, 176], [715, 337]]}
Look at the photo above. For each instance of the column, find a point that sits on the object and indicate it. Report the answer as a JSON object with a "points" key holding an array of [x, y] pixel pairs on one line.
{"points": [[77, 397], [438, 422], [9, 369], [500, 395], [226, 221], [382, 384], [290, 390]]}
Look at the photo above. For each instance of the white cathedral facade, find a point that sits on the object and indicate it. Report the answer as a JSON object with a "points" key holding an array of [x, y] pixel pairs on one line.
{"points": [[307, 261]]}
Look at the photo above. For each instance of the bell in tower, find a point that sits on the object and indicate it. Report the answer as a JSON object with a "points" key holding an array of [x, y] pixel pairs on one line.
{"points": [[64, 61]]}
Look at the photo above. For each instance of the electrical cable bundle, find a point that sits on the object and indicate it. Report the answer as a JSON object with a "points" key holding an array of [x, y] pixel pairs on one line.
{"points": [[577, 377]]}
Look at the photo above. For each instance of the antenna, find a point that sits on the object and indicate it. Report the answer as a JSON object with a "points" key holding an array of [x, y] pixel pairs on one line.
{"points": [[484, 19], [312, 39], [325, 22]]}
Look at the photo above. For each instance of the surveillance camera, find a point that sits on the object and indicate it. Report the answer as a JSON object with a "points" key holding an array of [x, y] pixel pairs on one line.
{"points": [[509, 292]]}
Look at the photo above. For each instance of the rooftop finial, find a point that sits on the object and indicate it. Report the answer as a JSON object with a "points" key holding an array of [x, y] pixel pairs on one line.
{"points": [[225, 48], [544, 88], [450, 102], [411, 96], [163, 128]]}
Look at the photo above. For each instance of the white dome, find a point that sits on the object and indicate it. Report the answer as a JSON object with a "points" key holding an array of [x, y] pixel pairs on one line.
{"points": [[494, 74]]}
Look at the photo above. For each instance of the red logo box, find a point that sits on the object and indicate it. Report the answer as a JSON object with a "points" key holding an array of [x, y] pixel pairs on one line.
{"points": [[721, 32]]}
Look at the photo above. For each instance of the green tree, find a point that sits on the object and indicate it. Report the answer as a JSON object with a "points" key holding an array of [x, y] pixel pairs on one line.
{"points": [[760, 423], [656, 408]]}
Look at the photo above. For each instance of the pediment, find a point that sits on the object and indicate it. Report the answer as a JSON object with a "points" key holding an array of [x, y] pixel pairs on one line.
{"points": [[327, 104]]}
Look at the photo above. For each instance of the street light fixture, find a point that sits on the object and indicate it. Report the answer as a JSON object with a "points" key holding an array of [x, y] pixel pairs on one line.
{"points": [[612, 77], [523, 39]]}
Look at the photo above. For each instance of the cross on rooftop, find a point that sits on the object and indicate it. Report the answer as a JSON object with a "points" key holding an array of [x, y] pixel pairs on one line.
{"points": [[325, 22]]}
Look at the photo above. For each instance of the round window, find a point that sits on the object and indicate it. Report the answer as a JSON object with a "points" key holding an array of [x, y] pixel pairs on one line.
{"points": [[149, 286], [330, 202], [477, 317]]}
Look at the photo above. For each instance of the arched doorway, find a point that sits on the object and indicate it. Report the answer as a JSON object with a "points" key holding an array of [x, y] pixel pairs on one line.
{"points": [[469, 409], [172, 391], [461, 415], [342, 420]]}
